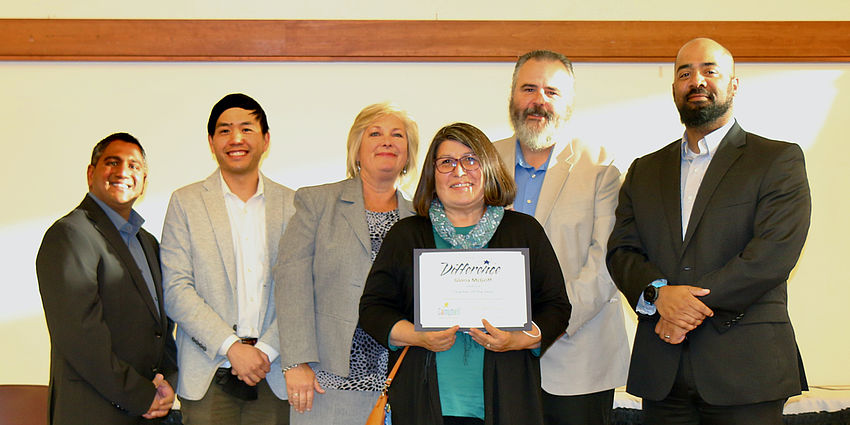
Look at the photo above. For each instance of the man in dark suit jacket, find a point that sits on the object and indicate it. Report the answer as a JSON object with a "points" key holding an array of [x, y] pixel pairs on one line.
{"points": [[707, 231], [101, 287]]}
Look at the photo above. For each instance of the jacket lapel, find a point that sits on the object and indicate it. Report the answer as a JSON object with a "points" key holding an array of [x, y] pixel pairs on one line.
{"points": [[405, 208], [353, 209], [669, 177], [274, 230], [560, 164], [151, 254], [217, 213], [728, 152], [106, 228]]}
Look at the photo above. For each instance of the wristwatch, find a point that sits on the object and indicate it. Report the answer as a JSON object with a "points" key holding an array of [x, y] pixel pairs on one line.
{"points": [[650, 294]]}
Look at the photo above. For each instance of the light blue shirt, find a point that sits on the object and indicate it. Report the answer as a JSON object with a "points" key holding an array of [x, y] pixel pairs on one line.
{"points": [[693, 166], [129, 229], [529, 182]]}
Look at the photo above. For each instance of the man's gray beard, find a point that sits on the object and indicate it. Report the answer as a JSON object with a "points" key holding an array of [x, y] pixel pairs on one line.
{"points": [[535, 140]]}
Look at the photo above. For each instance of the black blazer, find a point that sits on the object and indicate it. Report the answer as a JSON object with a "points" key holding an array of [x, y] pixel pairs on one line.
{"points": [[748, 225], [107, 337]]}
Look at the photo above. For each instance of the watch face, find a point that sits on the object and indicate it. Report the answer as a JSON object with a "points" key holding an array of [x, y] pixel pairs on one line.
{"points": [[650, 294]]}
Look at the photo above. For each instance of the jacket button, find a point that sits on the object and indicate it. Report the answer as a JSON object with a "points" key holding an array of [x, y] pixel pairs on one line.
{"points": [[686, 268], [727, 324]]}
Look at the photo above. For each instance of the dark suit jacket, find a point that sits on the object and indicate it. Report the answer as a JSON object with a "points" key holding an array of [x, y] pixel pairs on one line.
{"points": [[748, 225], [107, 337]]}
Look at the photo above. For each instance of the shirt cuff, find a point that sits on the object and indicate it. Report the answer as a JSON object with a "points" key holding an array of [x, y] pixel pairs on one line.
{"points": [[222, 351], [270, 352]]}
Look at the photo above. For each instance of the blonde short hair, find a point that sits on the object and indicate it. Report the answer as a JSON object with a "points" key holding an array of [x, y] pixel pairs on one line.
{"points": [[366, 117]]}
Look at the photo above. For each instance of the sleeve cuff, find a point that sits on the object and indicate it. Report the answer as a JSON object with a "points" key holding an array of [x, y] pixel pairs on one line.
{"points": [[270, 352], [222, 351]]}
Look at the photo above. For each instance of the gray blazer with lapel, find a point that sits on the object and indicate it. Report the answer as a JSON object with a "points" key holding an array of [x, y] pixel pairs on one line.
{"points": [[576, 208], [323, 261], [199, 279], [746, 231]]}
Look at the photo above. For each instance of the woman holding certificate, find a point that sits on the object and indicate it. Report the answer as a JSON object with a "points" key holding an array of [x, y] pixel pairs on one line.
{"points": [[334, 370], [466, 373]]}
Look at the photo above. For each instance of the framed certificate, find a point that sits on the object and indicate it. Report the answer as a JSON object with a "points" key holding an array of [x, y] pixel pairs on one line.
{"points": [[463, 286]]}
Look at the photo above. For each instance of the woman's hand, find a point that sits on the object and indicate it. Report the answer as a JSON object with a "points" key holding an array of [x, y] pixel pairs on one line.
{"points": [[498, 340], [437, 341], [403, 333], [300, 383]]}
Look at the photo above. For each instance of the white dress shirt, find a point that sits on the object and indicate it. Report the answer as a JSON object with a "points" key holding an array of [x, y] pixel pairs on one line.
{"points": [[248, 232]]}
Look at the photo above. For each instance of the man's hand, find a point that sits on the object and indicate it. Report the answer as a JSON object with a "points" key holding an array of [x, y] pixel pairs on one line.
{"points": [[162, 401], [300, 383], [679, 305], [249, 363], [669, 333]]}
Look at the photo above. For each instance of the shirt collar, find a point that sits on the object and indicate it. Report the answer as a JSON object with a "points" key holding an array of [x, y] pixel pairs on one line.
{"points": [[225, 189], [520, 159], [709, 144], [125, 227]]}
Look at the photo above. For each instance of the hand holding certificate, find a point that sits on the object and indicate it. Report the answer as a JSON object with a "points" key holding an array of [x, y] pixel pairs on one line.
{"points": [[462, 287]]}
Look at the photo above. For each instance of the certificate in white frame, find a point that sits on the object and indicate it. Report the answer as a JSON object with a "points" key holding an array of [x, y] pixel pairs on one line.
{"points": [[463, 286]]}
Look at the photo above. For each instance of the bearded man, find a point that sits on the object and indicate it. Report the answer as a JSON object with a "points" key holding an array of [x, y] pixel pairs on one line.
{"points": [[572, 191], [708, 229]]}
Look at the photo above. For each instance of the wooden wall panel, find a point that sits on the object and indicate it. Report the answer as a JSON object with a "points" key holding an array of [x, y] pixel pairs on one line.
{"points": [[415, 41]]}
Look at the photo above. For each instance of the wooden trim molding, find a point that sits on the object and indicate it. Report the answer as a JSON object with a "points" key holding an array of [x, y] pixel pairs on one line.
{"points": [[411, 41]]}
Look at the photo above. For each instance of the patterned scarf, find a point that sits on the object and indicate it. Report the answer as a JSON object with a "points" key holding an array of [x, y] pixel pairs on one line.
{"points": [[477, 238]]}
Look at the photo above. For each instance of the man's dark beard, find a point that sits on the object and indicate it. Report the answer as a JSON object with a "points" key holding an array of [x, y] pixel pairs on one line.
{"points": [[701, 116]]}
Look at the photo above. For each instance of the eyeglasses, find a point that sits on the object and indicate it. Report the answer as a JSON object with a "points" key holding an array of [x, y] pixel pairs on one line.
{"points": [[448, 164]]}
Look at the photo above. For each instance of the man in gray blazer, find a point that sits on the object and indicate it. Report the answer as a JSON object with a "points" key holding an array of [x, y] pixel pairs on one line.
{"points": [[572, 191], [708, 229], [219, 242], [100, 283]]}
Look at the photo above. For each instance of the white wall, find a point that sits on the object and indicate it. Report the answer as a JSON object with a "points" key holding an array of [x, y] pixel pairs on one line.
{"points": [[54, 112]]}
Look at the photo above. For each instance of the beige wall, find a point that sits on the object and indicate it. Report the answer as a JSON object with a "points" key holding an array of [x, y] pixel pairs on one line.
{"points": [[53, 112]]}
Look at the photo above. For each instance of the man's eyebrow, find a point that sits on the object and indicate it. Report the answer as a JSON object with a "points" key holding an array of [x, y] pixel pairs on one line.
{"points": [[230, 124], [687, 65]]}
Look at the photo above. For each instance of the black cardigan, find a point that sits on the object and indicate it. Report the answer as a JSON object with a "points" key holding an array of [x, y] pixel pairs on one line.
{"points": [[511, 379]]}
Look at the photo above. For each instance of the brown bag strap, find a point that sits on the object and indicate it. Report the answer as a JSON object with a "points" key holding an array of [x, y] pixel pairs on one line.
{"points": [[395, 369]]}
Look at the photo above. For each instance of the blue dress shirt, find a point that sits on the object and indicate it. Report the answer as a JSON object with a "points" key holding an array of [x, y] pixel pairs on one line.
{"points": [[129, 229], [529, 181]]}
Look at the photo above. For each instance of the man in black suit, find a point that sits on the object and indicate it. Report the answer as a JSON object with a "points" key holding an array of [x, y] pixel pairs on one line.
{"points": [[707, 231], [101, 287]]}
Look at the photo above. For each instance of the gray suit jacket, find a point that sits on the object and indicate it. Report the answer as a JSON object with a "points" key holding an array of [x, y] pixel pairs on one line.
{"points": [[199, 279], [747, 228], [108, 338], [576, 208], [324, 258]]}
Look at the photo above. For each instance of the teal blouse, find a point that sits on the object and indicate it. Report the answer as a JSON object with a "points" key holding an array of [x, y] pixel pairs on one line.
{"points": [[460, 369]]}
